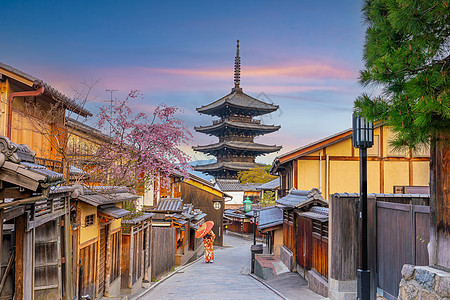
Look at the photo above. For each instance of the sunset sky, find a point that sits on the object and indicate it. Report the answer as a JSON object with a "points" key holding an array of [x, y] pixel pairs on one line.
{"points": [[301, 55]]}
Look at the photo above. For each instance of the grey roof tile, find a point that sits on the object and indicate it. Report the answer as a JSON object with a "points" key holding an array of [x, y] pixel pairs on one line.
{"points": [[270, 216]]}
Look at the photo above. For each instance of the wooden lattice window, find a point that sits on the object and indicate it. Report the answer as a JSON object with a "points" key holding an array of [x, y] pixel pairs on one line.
{"points": [[89, 221]]}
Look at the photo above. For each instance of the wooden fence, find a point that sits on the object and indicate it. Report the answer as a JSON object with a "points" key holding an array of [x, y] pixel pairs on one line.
{"points": [[402, 232], [163, 250]]}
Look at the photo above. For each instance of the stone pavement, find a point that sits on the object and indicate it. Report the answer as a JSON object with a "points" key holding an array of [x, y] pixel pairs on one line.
{"points": [[226, 278]]}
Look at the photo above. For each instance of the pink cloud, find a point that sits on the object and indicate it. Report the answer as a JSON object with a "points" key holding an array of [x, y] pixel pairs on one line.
{"points": [[300, 70]]}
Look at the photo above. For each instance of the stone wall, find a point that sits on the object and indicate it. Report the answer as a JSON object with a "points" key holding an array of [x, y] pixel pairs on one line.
{"points": [[424, 283]]}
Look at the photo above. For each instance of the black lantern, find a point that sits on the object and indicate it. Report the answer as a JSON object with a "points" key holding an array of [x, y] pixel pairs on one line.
{"points": [[362, 132], [363, 139]]}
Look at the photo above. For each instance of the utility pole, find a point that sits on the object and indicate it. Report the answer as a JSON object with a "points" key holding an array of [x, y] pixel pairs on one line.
{"points": [[111, 108]]}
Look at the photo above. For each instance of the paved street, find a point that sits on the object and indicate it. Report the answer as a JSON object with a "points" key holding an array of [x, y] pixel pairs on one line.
{"points": [[219, 280]]}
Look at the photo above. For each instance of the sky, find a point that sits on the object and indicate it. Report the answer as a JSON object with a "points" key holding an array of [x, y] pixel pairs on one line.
{"points": [[302, 55]]}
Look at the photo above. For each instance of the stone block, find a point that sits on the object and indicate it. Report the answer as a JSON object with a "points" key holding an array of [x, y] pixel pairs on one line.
{"points": [[442, 286], [407, 291], [424, 278], [408, 271], [425, 295]]}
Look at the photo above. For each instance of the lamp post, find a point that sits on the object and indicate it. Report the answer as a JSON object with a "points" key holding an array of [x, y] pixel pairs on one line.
{"points": [[363, 138], [255, 224]]}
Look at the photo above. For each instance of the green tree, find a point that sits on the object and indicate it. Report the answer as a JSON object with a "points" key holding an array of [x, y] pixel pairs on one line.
{"points": [[268, 199], [407, 60], [256, 175], [406, 56]]}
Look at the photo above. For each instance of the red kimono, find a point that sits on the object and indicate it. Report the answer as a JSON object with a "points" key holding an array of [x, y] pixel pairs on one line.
{"points": [[208, 240]]}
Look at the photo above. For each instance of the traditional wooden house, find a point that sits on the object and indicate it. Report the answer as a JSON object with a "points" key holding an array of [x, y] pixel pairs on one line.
{"points": [[238, 221], [36, 114], [34, 224], [238, 191], [202, 194], [332, 165], [270, 224], [96, 217], [174, 241], [236, 130], [305, 236]]}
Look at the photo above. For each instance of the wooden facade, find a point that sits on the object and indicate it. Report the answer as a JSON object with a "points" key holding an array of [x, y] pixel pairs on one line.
{"points": [[398, 226], [163, 251], [332, 165], [136, 251]]}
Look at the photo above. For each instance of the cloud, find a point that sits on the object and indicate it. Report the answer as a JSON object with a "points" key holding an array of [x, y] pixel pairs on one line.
{"points": [[306, 70]]}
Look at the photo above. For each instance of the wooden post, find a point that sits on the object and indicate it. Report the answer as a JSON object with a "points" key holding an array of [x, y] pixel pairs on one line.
{"points": [[130, 274], [147, 253], [67, 247], [108, 259], [343, 245], [142, 250], [19, 265]]}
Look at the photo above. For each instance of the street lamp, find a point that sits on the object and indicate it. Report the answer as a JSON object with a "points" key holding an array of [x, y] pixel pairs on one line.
{"points": [[363, 138], [247, 204], [255, 224]]}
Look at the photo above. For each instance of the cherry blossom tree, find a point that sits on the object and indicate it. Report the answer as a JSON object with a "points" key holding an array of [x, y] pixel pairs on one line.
{"points": [[143, 148]]}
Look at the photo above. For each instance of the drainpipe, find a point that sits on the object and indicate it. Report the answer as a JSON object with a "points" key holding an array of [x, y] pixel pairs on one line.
{"points": [[11, 97]]}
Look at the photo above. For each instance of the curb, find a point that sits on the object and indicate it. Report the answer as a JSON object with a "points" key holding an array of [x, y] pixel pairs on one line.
{"points": [[268, 286], [167, 277]]}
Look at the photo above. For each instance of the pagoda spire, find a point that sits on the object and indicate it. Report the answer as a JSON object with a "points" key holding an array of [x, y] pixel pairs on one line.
{"points": [[237, 70]]}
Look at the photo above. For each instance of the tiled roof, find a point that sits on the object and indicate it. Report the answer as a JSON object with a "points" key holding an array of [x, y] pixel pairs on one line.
{"points": [[17, 166], [170, 204], [248, 146], [113, 211], [139, 219], [248, 126], [105, 195], [235, 185], [271, 185], [235, 213], [86, 129], [234, 166], [316, 213], [240, 100], [270, 216], [49, 91], [298, 198]]}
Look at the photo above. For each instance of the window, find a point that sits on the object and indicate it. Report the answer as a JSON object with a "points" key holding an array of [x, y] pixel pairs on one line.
{"points": [[89, 220]]}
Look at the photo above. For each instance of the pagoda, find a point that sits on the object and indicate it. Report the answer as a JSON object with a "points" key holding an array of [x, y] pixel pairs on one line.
{"points": [[236, 129]]}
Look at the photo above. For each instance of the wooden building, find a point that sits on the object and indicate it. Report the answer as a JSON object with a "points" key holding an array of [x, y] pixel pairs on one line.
{"points": [[332, 165], [97, 238], [236, 129], [136, 252], [36, 114], [238, 192], [305, 236], [34, 227], [202, 194], [270, 224]]}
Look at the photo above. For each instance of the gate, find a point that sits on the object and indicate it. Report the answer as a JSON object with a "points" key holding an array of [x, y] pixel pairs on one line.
{"points": [[402, 233], [47, 270]]}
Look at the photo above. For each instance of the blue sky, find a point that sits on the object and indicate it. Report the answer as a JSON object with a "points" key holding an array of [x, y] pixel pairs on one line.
{"points": [[301, 55]]}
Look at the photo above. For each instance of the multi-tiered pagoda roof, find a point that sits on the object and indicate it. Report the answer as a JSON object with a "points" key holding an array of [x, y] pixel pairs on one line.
{"points": [[236, 129]]}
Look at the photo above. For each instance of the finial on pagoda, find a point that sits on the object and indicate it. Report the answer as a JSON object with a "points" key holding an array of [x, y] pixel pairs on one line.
{"points": [[237, 70]]}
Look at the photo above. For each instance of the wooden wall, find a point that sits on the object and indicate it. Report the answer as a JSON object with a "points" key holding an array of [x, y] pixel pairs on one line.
{"points": [[163, 250], [205, 201]]}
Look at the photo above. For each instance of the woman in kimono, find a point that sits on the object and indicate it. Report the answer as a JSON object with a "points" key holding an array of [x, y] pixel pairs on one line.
{"points": [[208, 240]]}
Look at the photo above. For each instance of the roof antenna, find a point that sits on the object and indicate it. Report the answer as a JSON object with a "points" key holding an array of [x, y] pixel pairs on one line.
{"points": [[237, 70]]}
